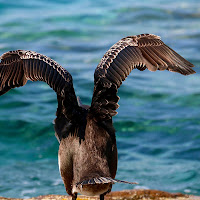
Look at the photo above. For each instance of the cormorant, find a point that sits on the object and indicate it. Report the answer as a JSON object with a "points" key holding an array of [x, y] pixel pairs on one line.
{"points": [[87, 152]]}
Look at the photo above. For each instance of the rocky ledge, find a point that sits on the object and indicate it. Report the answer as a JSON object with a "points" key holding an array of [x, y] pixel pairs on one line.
{"points": [[122, 195]]}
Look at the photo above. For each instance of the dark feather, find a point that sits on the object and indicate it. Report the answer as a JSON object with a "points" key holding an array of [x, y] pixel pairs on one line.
{"points": [[102, 180], [18, 66], [141, 52]]}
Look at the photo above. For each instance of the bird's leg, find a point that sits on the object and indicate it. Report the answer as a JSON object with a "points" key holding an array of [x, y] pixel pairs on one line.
{"points": [[74, 196], [102, 197]]}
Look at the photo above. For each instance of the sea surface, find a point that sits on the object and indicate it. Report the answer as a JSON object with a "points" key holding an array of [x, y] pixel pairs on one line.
{"points": [[158, 122]]}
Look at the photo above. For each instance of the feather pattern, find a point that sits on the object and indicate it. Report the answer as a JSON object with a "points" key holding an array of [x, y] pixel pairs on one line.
{"points": [[102, 180], [141, 52], [17, 67]]}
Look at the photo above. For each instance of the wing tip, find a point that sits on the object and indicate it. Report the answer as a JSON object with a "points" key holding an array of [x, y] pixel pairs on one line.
{"points": [[185, 71], [191, 72]]}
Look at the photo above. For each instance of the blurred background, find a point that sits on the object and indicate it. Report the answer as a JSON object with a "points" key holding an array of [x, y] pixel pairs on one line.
{"points": [[158, 127]]}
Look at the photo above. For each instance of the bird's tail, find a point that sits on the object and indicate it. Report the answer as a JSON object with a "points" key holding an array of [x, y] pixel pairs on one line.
{"points": [[102, 180]]}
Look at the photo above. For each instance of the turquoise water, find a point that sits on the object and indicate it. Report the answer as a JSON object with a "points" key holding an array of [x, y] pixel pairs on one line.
{"points": [[158, 126]]}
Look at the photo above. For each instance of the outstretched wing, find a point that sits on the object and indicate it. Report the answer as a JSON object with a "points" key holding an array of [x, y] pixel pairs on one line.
{"points": [[141, 52], [16, 67]]}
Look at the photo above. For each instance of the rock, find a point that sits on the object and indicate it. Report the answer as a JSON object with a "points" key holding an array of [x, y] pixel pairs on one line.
{"points": [[121, 195]]}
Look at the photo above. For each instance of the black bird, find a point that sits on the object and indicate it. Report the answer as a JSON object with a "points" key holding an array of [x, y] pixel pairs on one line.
{"points": [[87, 152]]}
